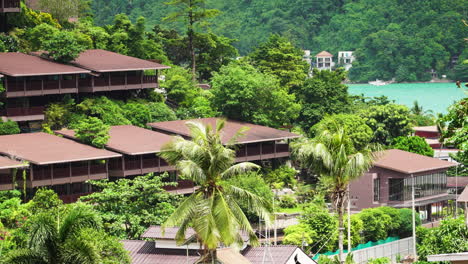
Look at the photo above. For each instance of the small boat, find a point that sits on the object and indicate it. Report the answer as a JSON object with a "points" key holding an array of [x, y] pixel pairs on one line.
{"points": [[378, 83]]}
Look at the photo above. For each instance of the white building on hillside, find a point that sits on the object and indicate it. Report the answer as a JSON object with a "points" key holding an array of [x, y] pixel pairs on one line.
{"points": [[324, 61], [346, 59]]}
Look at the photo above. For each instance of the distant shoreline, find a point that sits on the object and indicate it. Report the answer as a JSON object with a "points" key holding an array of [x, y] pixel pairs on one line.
{"points": [[434, 81]]}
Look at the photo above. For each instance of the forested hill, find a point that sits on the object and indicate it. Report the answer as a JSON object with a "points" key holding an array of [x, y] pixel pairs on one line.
{"points": [[393, 38]]}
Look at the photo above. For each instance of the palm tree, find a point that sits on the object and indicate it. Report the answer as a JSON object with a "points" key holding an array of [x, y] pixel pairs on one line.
{"points": [[333, 157], [213, 210], [52, 240]]}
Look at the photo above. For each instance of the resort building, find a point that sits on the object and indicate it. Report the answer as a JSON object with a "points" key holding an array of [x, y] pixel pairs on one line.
{"points": [[31, 82], [163, 249], [389, 182], [61, 164], [259, 143], [324, 61], [10, 6], [112, 72], [346, 59], [432, 137]]}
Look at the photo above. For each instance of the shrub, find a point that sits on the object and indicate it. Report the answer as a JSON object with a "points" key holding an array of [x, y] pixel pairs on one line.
{"points": [[287, 201], [9, 127], [324, 224], [93, 131], [296, 234], [284, 176]]}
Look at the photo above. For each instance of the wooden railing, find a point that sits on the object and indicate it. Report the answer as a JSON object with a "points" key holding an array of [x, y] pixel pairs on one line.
{"points": [[23, 111], [10, 3]]}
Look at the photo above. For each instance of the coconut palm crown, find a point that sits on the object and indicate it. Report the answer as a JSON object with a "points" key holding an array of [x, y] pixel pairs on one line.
{"points": [[333, 158], [213, 210]]}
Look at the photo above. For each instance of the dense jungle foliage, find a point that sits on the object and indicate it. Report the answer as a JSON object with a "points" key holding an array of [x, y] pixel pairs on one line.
{"points": [[387, 36]]}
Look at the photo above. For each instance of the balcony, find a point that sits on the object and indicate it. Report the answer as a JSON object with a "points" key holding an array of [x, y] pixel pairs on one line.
{"points": [[7, 6], [262, 151], [117, 81], [138, 165], [23, 113], [182, 187], [29, 86], [57, 174]]}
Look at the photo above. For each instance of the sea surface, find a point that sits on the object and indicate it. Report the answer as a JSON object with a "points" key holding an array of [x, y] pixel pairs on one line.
{"points": [[431, 96]]}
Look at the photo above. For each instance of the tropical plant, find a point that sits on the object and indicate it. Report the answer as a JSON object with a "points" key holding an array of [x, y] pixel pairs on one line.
{"points": [[65, 238], [93, 131], [333, 157], [213, 210], [413, 144]]}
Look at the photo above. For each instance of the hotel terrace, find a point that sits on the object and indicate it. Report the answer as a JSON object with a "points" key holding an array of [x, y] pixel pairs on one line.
{"points": [[31, 81], [64, 164]]}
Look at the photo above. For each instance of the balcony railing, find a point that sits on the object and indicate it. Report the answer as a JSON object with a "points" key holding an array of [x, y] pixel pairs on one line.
{"points": [[23, 111], [10, 3], [117, 81], [16, 87]]}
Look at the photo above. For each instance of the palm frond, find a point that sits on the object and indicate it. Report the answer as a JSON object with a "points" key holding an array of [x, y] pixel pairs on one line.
{"points": [[239, 169], [24, 256], [78, 249], [190, 170], [79, 217]]}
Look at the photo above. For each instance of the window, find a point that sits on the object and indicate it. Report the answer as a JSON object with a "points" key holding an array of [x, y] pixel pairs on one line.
{"points": [[396, 187], [376, 189]]}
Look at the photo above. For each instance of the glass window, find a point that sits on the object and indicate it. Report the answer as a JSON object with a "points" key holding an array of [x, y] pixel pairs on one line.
{"points": [[396, 187], [376, 190]]}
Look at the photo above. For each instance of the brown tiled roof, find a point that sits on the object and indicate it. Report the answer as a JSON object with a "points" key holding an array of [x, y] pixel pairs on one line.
{"points": [[256, 133], [106, 61], [280, 254], [407, 162], [6, 163], [155, 232], [426, 128], [231, 256], [457, 181], [131, 140], [324, 54], [19, 64], [144, 252], [42, 148], [464, 195]]}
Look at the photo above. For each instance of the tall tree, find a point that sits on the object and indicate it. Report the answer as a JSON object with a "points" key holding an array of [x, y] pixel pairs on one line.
{"points": [[281, 58], [70, 236], [214, 210], [193, 12], [333, 157], [241, 92]]}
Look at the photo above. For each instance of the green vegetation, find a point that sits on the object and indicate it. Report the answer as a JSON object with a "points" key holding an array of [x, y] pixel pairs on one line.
{"points": [[374, 29], [92, 131], [242, 92], [454, 130], [449, 237], [44, 230], [333, 157], [413, 144], [214, 210], [323, 94], [9, 127], [129, 207]]}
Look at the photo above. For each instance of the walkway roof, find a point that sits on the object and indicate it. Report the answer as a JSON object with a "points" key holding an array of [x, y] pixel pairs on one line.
{"points": [[130, 140], [408, 163], [19, 64], [98, 60], [256, 133], [42, 149]]}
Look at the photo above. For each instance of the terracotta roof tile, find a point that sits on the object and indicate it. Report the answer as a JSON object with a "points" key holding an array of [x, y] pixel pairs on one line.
{"points": [[280, 254], [131, 140], [144, 252], [106, 61], [155, 232], [457, 181], [6, 163], [19, 64], [42, 148], [324, 54], [256, 133], [407, 162], [464, 195]]}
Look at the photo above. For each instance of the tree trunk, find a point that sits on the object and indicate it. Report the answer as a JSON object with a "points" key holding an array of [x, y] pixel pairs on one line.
{"points": [[340, 232], [192, 48]]}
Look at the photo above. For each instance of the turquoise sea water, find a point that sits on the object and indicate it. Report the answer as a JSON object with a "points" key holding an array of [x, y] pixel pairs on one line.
{"points": [[432, 96]]}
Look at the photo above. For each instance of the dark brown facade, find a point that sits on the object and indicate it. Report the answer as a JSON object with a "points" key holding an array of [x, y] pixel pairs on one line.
{"points": [[114, 81], [10, 6], [40, 85], [131, 165]]}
